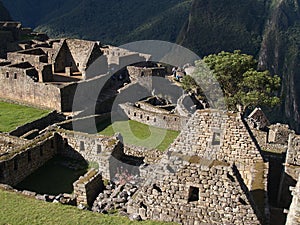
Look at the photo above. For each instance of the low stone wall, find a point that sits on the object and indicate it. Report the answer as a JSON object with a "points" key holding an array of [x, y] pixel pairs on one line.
{"points": [[136, 72], [94, 148], [150, 155], [87, 187], [20, 163], [262, 140], [164, 121], [40, 124]]}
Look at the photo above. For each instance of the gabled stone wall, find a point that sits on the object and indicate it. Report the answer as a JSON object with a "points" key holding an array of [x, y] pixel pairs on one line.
{"points": [[218, 196]]}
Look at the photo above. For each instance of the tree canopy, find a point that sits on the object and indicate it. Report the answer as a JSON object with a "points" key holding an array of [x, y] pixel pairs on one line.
{"points": [[242, 85]]}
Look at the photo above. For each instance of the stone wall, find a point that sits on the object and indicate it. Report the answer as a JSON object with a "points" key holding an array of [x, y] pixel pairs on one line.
{"points": [[279, 133], [9, 143], [19, 163], [214, 135], [157, 109], [17, 84], [293, 152], [150, 155], [34, 56], [94, 148], [293, 217], [39, 124], [164, 121], [137, 72], [87, 187], [194, 194], [213, 158], [262, 139]]}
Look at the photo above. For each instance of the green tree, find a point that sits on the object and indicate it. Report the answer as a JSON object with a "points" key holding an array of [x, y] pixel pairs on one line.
{"points": [[242, 85]]}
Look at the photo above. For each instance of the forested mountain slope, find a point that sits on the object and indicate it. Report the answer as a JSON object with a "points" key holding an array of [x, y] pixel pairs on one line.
{"points": [[267, 29]]}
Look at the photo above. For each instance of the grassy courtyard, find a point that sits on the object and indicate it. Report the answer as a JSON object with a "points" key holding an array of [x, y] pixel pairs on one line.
{"points": [[13, 115], [18, 210], [139, 134]]}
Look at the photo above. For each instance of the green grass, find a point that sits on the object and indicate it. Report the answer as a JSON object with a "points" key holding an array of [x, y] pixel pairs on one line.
{"points": [[18, 210], [13, 115], [54, 178], [139, 134]]}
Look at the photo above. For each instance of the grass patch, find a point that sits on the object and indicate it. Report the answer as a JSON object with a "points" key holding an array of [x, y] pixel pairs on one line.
{"points": [[13, 115], [55, 177], [18, 210], [138, 134]]}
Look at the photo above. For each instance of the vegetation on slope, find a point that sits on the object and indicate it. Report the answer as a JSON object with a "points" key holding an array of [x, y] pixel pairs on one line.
{"points": [[267, 29], [13, 115], [114, 21], [18, 210], [227, 25]]}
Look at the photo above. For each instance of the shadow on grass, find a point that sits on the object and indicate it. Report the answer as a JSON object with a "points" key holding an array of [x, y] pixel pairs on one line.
{"points": [[55, 177]]}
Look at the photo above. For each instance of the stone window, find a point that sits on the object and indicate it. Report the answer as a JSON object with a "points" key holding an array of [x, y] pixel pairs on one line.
{"points": [[29, 156], [164, 118], [193, 194], [15, 76], [216, 138], [81, 145], [16, 164], [148, 118], [134, 114], [99, 148], [41, 151], [23, 59], [7, 74], [154, 120], [175, 119], [77, 64], [128, 112], [141, 116]]}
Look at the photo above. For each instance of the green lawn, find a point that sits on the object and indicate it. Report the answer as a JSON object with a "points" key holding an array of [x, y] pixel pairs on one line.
{"points": [[139, 134], [18, 210], [13, 115]]}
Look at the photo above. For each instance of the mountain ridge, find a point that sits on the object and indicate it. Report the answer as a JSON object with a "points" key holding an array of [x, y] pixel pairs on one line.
{"points": [[267, 29]]}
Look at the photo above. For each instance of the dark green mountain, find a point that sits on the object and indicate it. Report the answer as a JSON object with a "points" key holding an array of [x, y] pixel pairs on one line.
{"points": [[112, 21], [268, 29], [4, 14]]}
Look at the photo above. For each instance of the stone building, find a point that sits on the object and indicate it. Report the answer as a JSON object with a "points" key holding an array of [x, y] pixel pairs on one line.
{"points": [[212, 173]]}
